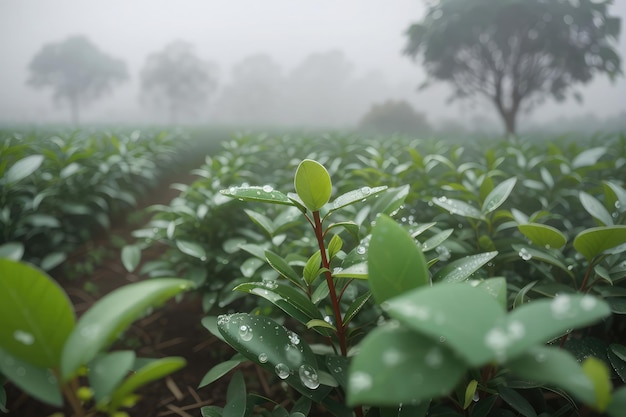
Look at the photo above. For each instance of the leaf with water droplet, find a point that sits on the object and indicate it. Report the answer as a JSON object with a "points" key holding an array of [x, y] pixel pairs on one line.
{"points": [[33, 328], [542, 235], [282, 267], [395, 262], [595, 208], [272, 339], [391, 368], [436, 240], [264, 222], [539, 254], [191, 248], [355, 196], [255, 193], [358, 271], [459, 207], [498, 195], [288, 299], [461, 269]]}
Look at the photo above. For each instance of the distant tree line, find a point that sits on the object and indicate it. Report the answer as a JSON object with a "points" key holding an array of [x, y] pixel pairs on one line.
{"points": [[514, 53]]}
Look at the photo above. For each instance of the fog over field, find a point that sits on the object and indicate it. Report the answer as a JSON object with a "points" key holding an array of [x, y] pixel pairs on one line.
{"points": [[360, 40]]}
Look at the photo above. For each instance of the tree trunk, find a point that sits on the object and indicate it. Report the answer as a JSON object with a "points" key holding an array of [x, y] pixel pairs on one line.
{"points": [[510, 122]]}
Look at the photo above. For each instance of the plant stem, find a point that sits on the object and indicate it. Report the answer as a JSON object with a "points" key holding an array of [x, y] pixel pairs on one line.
{"points": [[69, 392], [341, 332], [584, 284]]}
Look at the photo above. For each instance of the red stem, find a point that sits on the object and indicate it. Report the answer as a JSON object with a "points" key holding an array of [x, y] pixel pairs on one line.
{"points": [[319, 234]]}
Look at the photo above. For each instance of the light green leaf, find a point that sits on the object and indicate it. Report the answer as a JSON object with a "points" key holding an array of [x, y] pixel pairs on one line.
{"points": [[396, 365], [23, 168], [553, 366], [106, 372], [543, 235], [461, 269], [37, 381], [458, 207], [111, 315], [154, 370], [498, 195], [356, 306], [12, 250], [395, 262], [592, 242], [358, 271], [334, 246], [496, 287], [191, 248], [265, 194], [36, 316], [436, 240], [313, 184], [588, 157], [596, 209], [320, 323], [459, 315], [52, 260], [313, 267], [391, 200], [469, 393], [527, 253], [262, 221], [131, 256], [282, 267], [597, 371]]}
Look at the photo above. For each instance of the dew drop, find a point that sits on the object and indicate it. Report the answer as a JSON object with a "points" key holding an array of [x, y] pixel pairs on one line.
{"points": [[360, 250], [442, 339], [268, 188], [476, 397], [282, 370], [524, 254], [308, 376], [24, 337], [434, 358], [262, 357], [293, 338], [366, 190], [245, 333]]}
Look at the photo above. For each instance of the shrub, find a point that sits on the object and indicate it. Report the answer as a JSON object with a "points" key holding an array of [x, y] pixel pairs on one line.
{"points": [[393, 117]]}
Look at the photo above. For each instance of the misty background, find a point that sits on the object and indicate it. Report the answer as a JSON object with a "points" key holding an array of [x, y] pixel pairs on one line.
{"points": [[321, 63]]}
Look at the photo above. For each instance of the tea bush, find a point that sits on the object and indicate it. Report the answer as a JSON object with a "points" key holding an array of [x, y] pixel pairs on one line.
{"points": [[499, 282]]}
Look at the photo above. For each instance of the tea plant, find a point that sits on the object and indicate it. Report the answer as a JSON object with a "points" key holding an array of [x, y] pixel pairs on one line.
{"points": [[48, 354], [425, 343]]}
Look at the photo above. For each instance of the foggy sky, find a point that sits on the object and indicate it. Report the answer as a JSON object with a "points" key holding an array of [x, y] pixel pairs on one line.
{"points": [[370, 33]]}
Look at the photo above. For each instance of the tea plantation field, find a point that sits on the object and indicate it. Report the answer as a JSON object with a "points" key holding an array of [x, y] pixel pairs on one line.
{"points": [[349, 275]]}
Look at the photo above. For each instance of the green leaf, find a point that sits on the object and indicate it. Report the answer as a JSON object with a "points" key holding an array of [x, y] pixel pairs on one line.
{"points": [[191, 248], [358, 271], [320, 323], [220, 370], [288, 299], [111, 315], [469, 393], [211, 411], [498, 195], [313, 184], [599, 374], [396, 365], [436, 240], [496, 287], [618, 403], [334, 246], [458, 207], [313, 267], [235, 397], [556, 367], [52, 260], [355, 196], [541, 320], [272, 347], [588, 157], [282, 267], [461, 269], [527, 253], [516, 401], [617, 356], [23, 168], [596, 209], [356, 306], [36, 316], [458, 314], [592, 242], [543, 235], [12, 250], [265, 194], [262, 221], [390, 201], [154, 370], [108, 370], [37, 381], [395, 263], [131, 256]]}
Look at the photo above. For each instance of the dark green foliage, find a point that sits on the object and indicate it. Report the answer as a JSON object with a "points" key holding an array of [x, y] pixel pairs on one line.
{"points": [[516, 53], [393, 117]]}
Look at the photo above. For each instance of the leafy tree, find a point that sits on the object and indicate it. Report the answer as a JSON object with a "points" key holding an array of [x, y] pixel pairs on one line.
{"points": [[177, 79], [77, 71], [516, 53], [393, 117]]}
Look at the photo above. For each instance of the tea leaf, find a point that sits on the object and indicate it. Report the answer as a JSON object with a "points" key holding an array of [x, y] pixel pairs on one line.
{"points": [[543, 235], [111, 315], [191, 248], [459, 207], [396, 365], [599, 374], [498, 195], [264, 194], [23, 168], [36, 316], [592, 242], [220, 370], [355, 196], [395, 263], [131, 256], [461, 269], [313, 184], [596, 209], [108, 370]]}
